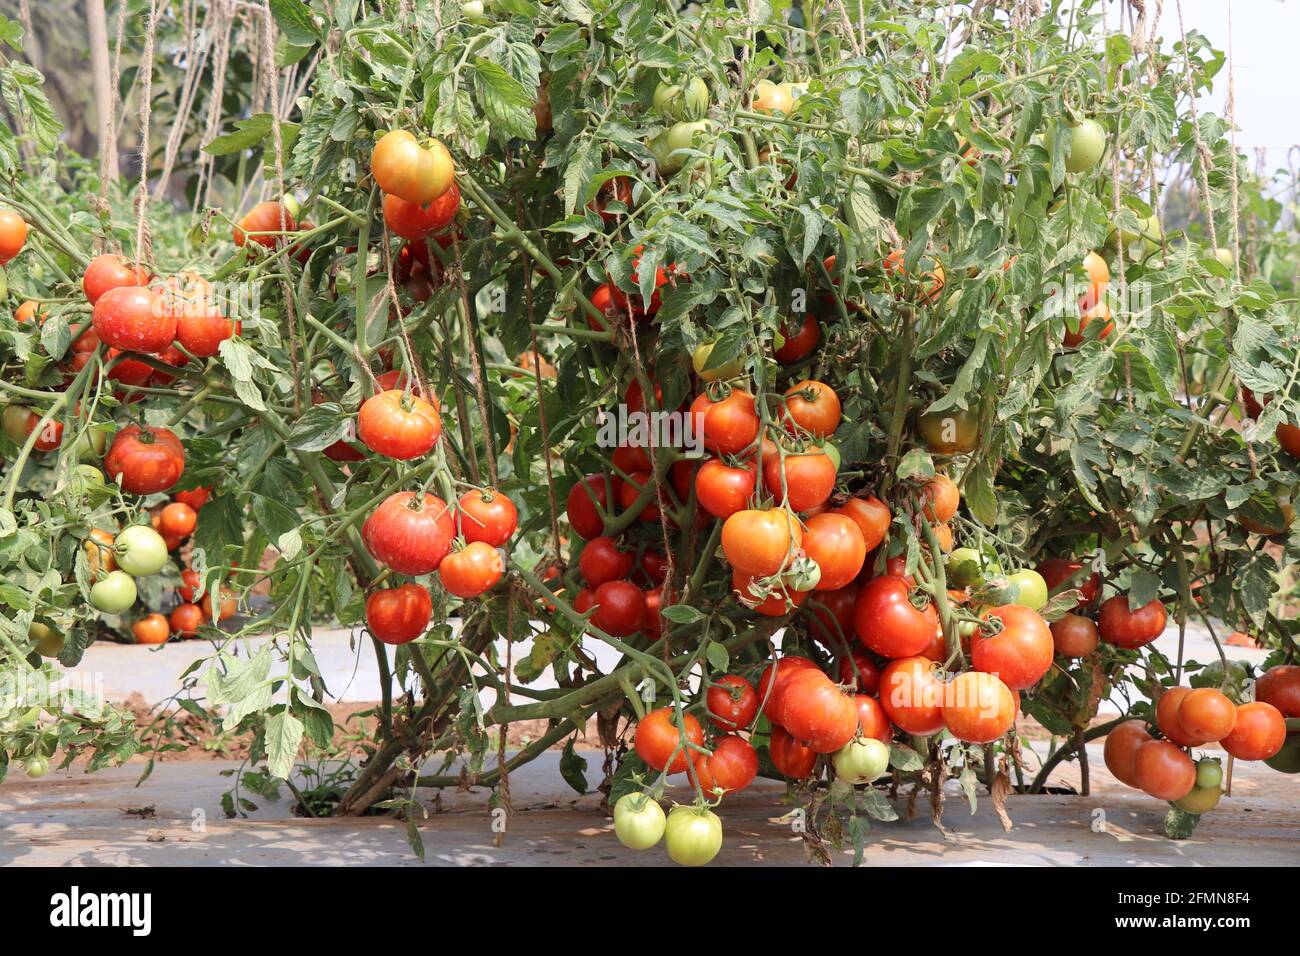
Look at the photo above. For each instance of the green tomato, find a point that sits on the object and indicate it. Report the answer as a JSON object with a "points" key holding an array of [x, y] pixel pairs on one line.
{"points": [[967, 567], [700, 359], [1031, 589], [1209, 773], [37, 766], [140, 551], [685, 136], [664, 160], [1225, 256], [90, 443], [950, 432], [694, 836], [1200, 800], [832, 453], [804, 574], [291, 205], [473, 11], [114, 592], [1087, 143], [861, 760], [675, 101], [639, 821], [14, 423], [48, 641]]}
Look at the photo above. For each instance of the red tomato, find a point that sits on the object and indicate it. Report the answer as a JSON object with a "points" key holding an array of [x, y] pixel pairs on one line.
{"points": [[630, 492], [201, 331], [653, 567], [134, 319], [1280, 686], [1074, 636], [399, 615], [872, 517], [1122, 745], [149, 459], [186, 619], [152, 629], [813, 407], [860, 671], [602, 560], [887, 621], [472, 570], [652, 620], [620, 608], [13, 235], [196, 498], [630, 459], [265, 224], [1130, 629], [791, 758], [723, 490], [835, 542], [110, 272], [487, 516], [658, 739], [732, 766], [413, 221], [732, 703], [872, 721], [1259, 732], [398, 425], [411, 535], [1207, 713], [581, 504], [912, 696], [809, 478], [832, 623], [179, 519], [772, 683], [776, 604], [618, 189], [727, 427], [978, 708], [760, 543], [189, 585], [1163, 770], [1020, 653], [799, 341], [1056, 570]]}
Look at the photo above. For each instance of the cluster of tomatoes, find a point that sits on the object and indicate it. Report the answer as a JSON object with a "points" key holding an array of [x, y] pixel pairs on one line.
{"points": [[1267, 728]]}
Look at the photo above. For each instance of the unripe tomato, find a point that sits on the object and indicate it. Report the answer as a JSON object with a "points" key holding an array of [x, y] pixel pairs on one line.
{"points": [[771, 98], [1030, 588], [113, 593], [110, 272], [682, 101], [49, 642], [1209, 773], [658, 739], [861, 761], [153, 629], [942, 498], [399, 615], [1200, 800], [693, 836], [140, 551], [684, 136], [1087, 143], [403, 168], [950, 432], [639, 821], [37, 766], [700, 362]]}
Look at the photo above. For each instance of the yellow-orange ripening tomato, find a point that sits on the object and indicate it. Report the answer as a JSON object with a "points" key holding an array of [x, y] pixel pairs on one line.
{"points": [[13, 235], [402, 167]]}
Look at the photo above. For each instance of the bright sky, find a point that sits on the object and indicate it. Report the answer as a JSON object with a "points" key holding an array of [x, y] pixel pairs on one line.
{"points": [[1264, 54]]}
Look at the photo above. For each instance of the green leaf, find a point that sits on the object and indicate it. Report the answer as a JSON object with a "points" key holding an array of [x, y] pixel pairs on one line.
{"points": [[573, 768], [248, 133], [295, 20], [283, 738]]}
